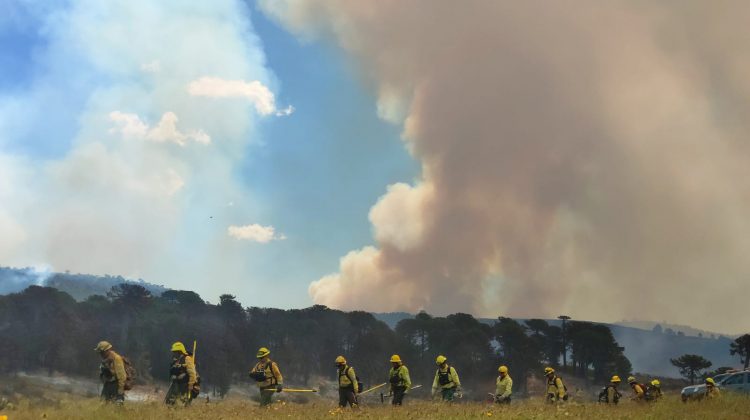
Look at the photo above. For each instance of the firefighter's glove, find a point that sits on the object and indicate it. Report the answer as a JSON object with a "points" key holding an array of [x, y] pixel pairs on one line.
{"points": [[279, 388]]}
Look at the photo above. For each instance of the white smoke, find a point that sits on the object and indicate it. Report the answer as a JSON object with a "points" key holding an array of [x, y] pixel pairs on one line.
{"points": [[585, 157], [141, 190]]}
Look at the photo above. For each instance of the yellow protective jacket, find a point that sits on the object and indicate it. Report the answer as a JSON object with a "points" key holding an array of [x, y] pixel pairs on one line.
{"points": [[113, 369], [712, 392], [399, 377], [348, 378], [556, 387], [185, 365], [272, 373], [504, 386], [638, 392], [452, 374]]}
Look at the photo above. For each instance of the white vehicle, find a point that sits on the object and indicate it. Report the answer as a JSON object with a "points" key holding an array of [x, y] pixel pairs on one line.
{"points": [[694, 392], [732, 381], [737, 382]]}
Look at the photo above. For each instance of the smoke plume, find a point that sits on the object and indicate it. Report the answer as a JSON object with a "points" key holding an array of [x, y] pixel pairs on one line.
{"points": [[587, 157]]}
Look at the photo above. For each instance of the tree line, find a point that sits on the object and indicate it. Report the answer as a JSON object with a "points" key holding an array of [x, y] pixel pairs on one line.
{"points": [[42, 328]]}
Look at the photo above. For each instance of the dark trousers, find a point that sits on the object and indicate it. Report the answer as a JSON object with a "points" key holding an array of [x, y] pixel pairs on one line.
{"points": [[177, 391], [109, 392], [398, 395], [266, 395], [347, 396], [448, 393], [505, 400]]}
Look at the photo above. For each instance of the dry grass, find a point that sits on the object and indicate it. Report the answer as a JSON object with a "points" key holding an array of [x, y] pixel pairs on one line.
{"points": [[728, 407]]}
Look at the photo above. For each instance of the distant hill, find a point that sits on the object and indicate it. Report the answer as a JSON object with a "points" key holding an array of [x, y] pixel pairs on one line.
{"points": [[649, 351], [672, 329], [79, 286]]}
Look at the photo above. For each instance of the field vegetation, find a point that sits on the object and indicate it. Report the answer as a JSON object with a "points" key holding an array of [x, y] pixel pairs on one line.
{"points": [[728, 407]]}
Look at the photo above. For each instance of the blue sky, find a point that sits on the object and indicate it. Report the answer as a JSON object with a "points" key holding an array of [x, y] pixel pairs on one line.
{"points": [[320, 170], [312, 175]]}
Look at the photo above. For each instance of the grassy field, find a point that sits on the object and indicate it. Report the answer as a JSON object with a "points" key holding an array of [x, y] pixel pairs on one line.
{"points": [[728, 407]]}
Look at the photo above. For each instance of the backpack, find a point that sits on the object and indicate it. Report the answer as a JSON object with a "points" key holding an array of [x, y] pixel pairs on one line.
{"points": [[603, 395], [444, 378], [646, 391], [360, 385], [259, 373], [130, 373], [395, 379], [565, 387]]}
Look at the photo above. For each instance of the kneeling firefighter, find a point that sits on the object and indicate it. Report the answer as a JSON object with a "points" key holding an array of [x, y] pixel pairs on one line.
{"points": [[185, 380], [557, 392]]}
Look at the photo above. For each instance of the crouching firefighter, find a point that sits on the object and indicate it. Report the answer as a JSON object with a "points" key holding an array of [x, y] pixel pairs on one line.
{"points": [[268, 376], [610, 394], [557, 392], [185, 384]]}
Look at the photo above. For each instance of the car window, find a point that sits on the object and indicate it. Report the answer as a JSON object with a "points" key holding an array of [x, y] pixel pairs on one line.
{"points": [[734, 380], [720, 378]]}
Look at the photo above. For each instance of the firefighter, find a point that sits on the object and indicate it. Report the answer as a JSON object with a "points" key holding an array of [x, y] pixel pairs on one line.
{"points": [[556, 391], [183, 374], [112, 373], [446, 380], [610, 394], [639, 394], [268, 376], [653, 391], [712, 391], [503, 386], [399, 379], [348, 383]]}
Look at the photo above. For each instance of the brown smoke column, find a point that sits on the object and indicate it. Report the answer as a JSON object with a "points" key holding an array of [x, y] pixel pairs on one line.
{"points": [[585, 157]]}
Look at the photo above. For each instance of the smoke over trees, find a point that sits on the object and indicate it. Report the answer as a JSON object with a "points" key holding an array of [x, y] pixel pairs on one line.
{"points": [[691, 366], [573, 155], [741, 347], [45, 329]]}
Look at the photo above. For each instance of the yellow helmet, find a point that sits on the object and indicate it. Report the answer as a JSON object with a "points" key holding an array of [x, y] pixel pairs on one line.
{"points": [[710, 381], [440, 359], [503, 369], [631, 379], [615, 378], [656, 383], [548, 370], [179, 347], [103, 346], [340, 360], [262, 352], [395, 359]]}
